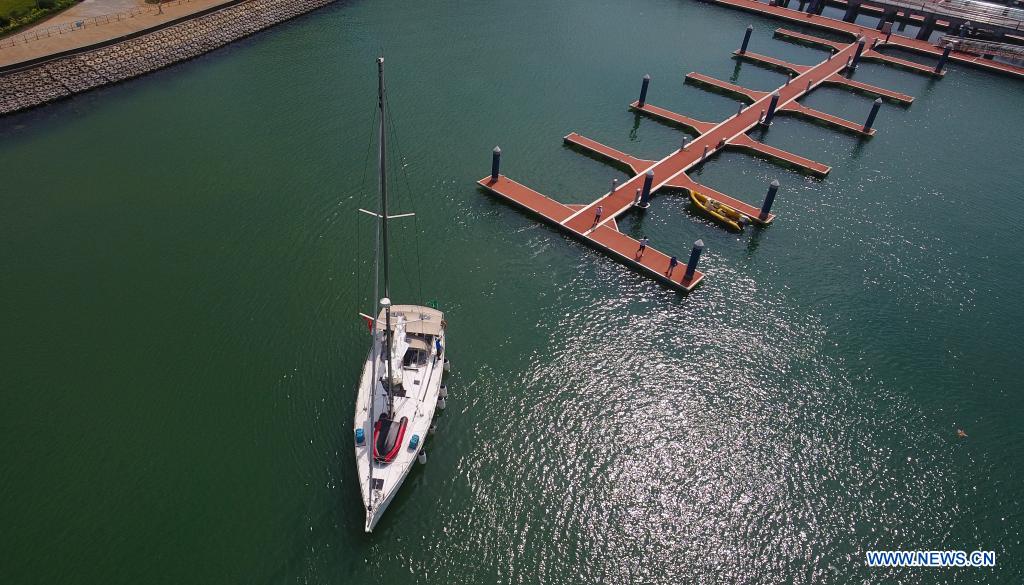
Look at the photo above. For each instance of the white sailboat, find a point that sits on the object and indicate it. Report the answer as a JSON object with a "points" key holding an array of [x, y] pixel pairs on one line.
{"points": [[400, 387]]}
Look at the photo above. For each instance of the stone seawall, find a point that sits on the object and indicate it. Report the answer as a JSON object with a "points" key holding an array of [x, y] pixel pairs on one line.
{"points": [[130, 58]]}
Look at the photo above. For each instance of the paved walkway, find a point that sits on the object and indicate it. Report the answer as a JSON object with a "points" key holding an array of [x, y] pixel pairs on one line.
{"points": [[102, 20], [89, 9]]}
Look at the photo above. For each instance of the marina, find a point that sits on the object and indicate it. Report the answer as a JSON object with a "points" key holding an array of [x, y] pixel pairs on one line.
{"points": [[595, 224], [185, 260]]}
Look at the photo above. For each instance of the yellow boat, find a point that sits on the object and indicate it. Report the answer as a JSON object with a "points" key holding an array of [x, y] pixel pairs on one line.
{"points": [[719, 211]]}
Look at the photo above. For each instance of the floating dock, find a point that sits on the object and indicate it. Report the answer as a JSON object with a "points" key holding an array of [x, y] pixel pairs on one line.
{"points": [[595, 222]]}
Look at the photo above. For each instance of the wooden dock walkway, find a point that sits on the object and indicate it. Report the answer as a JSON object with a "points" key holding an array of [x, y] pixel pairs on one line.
{"points": [[595, 222]]}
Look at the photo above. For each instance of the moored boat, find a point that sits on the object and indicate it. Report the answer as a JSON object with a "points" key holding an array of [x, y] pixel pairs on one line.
{"points": [[720, 212], [399, 392], [400, 386]]}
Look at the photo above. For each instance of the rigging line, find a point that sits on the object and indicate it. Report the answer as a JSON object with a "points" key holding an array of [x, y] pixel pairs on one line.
{"points": [[416, 224], [408, 186], [401, 258], [362, 192], [419, 263]]}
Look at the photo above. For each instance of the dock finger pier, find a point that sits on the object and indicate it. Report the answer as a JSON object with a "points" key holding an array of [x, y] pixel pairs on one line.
{"points": [[595, 223]]}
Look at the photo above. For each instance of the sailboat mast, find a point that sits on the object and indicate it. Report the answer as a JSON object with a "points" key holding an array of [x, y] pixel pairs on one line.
{"points": [[382, 136], [384, 227]]}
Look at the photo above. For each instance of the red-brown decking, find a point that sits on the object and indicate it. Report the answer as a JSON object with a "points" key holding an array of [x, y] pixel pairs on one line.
{"points": [[527, 198], [725, 87], [724, 134], [576, 207], [771, 62], [685, 183], [869, 53], [602, 232], [673, 118], [827, 119], [778, 155], [605, 237], [637, 165], [871, 90], [799, 37], [837, 79], [872, 55]]}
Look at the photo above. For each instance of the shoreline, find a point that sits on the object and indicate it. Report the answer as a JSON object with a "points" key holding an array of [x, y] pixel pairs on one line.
{"points": [[39, 81]]}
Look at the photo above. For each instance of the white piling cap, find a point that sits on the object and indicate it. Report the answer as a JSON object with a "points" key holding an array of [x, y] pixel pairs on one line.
{"points": [[647, 76], [775, 183], [497, 150], [699, 244], [385, 302]]}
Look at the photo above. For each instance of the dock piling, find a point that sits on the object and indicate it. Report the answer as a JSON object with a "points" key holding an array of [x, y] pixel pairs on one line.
{"points": [[871, 115], [852, 10], [691, 264], [643, 90], [645, 195], [746, 39], [769, 199], [615, 185], [887, 17], [495, 163], [904, 21], [771, 109], [942, 60], [856, 56], [926, 28]]}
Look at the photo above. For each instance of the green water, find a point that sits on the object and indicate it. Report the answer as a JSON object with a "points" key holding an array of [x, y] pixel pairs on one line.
{"points": [[182, 263]]}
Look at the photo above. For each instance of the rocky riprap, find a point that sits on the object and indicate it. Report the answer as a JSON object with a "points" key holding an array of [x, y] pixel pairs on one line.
{"points": [[73, 74]]}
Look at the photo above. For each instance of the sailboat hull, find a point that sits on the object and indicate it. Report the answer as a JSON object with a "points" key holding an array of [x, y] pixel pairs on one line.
{"points": [[416, 333]]}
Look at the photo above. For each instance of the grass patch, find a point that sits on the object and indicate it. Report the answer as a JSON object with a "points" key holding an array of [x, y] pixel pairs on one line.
{"points": [[16, 14]]}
